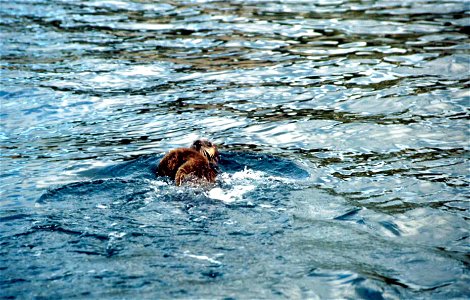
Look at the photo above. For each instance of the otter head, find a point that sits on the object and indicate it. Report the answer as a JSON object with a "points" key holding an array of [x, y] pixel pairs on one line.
{"points": [[208, 149]]}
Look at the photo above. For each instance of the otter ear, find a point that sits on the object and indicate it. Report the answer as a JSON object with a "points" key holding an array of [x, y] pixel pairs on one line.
{"points": [[196, 144]]}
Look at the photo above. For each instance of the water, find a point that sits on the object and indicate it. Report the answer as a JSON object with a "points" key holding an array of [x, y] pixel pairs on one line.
{"points": [[343, 128]]}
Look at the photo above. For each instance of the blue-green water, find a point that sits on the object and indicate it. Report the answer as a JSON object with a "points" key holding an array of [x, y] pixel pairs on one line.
{"points": [[343, 128]]}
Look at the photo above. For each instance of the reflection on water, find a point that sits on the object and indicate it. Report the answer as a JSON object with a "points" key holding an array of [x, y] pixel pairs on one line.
{"points": [[343, 127]]}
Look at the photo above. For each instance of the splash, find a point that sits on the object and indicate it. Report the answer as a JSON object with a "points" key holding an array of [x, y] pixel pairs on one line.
{"points": [[239, 184]]}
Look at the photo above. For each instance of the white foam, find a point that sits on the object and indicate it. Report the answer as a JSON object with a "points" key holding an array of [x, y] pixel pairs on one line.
{"points": [[247, 175], [241, 182], [231, 195], [202, 257], [116, 234]]}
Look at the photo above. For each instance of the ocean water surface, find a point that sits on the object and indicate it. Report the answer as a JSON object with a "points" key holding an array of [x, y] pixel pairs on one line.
{"points": [[343, 128]]}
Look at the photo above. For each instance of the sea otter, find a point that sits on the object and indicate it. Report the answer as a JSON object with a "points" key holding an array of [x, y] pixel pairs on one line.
{"points": [[194, 165]]}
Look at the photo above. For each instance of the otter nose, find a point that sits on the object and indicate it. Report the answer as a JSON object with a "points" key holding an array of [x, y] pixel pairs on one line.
{"points": [[211, 152]]}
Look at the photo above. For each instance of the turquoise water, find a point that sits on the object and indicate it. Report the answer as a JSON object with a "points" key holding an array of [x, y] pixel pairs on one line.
{"points": [[343, 130]]}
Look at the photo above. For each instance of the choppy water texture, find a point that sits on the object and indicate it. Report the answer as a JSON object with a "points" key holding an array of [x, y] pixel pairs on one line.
{"points": [[343, 128]]}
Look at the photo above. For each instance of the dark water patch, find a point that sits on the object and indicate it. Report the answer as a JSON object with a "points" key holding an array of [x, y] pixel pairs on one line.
{"points": [[143, 167], [13, 217], [238, 161], [184, 233], [347, 215]]}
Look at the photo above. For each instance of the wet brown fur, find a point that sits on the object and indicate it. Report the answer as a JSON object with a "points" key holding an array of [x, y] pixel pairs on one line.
{"points": [[191, 165]]}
